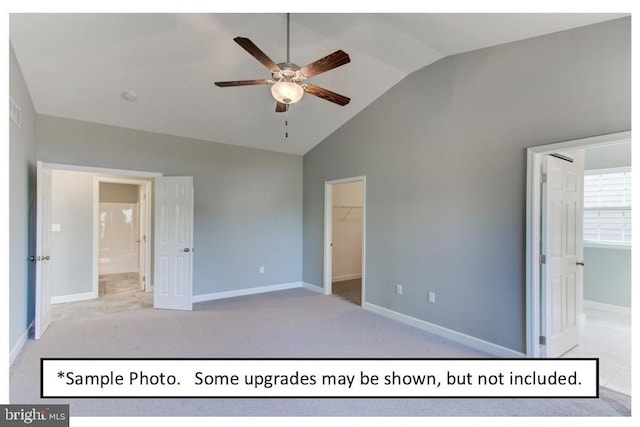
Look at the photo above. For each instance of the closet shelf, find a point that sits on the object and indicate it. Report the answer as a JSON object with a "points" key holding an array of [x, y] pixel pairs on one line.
{"points": [[350, 208]]}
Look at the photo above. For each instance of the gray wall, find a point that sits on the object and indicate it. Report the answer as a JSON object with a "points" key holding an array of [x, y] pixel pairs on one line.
{"points": [[248, 202], [72, 246], [607, 276], [118, 193], [610, 156], [607, 271], [21, 201], [444, 156]]}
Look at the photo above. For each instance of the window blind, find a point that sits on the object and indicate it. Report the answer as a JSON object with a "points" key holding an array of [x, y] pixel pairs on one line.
{"points": [[607, 206]]}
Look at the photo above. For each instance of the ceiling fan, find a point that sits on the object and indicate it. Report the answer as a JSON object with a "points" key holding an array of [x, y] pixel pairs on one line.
{"points": [[288, 80]]}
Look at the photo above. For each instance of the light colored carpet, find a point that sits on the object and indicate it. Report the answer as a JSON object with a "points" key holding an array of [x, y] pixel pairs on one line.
{"points": [[292, 323]]}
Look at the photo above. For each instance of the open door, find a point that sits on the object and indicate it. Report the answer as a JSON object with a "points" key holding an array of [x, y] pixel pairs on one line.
{"points": [[561, 242], [173, 243], [43, 250]]}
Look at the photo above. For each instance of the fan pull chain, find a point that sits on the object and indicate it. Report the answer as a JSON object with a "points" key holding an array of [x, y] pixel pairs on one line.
{"points": [[286, 123]]}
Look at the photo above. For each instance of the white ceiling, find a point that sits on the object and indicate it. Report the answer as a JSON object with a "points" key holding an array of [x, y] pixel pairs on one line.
{"points": [[77, 65]]}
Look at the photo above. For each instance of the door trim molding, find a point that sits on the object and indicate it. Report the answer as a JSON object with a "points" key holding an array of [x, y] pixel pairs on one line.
{"points": [[104, 171], [328, 231], [533, 225]]}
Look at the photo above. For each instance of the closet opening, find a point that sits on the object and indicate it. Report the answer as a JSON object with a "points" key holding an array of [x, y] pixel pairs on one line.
{"points": [[345, 239]]}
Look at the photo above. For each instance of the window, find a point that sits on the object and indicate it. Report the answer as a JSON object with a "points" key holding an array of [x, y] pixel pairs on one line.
{"points": [[607, 206]]}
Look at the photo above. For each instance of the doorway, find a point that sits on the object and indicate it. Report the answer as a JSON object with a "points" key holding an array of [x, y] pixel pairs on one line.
{"points": [[344, 272], [99, 254], [534, 224], [69, 246], [123, 220], [542, 315]]}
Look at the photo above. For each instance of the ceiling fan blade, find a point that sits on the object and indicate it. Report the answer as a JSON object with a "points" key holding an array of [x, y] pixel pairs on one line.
{"points": [[329, 62], [255, 51], [327, 95], [242, 83], [281, 107]]}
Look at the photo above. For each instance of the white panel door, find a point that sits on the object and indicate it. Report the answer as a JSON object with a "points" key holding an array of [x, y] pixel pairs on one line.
{"points": [[44, 200], [560, 246], [173, 242]]}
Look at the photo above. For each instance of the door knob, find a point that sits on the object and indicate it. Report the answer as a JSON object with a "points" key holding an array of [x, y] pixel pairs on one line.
{"points": [[46, 258], [186, 249], [32, 258], [580, 263]]}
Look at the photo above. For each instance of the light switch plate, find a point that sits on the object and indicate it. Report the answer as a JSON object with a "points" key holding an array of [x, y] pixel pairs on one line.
{"points": [[56, 227]]}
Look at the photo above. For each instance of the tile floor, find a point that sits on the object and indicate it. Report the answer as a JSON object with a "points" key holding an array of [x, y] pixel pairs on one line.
{"points": [[117, 292], [607, 335]]}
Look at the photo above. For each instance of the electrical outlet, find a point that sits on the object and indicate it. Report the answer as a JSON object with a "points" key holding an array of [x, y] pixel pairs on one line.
{"points": [[261, 269], [399, 289], [431, 297]]}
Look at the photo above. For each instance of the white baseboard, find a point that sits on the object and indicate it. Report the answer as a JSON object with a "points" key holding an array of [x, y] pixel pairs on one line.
{"points": [[74, 297], [607, 307], [582, 318], [346, 277], [477, 343], [17, 348], [313, 288], [247, 291]]}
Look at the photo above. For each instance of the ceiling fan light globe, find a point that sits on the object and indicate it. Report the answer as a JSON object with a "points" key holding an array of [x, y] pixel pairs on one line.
{"points": [[287, 92]]}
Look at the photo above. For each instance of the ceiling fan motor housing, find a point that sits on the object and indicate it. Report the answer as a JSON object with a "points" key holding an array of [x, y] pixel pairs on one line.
{"points": [[288, 72]]}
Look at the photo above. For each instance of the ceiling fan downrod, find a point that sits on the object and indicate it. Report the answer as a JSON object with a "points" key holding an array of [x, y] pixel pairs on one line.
{"points": [[288, 44]]}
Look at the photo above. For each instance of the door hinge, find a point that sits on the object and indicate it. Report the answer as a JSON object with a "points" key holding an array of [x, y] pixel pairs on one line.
{"points": [[542, 340], [144, 279], [544, 178], [543, 259]]}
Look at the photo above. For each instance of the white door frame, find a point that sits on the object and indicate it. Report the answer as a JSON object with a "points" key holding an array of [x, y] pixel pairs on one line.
{"points": [[328, 231], [533, 225], [146, 183]]}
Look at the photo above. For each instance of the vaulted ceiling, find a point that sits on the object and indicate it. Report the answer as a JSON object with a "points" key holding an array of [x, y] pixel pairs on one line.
{"points": [[78, 65]]}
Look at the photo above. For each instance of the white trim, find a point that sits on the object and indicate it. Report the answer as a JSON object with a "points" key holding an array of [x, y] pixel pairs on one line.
{"points": [[477, 343], [582, 317], [74, 297], [246, 291], [606, 245], [607, 170], [105, 171], [17, 348], [95, 260], [328, 232], [328, 238], [607, 307], [532, 272], [313, 288], [346, 277]]}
